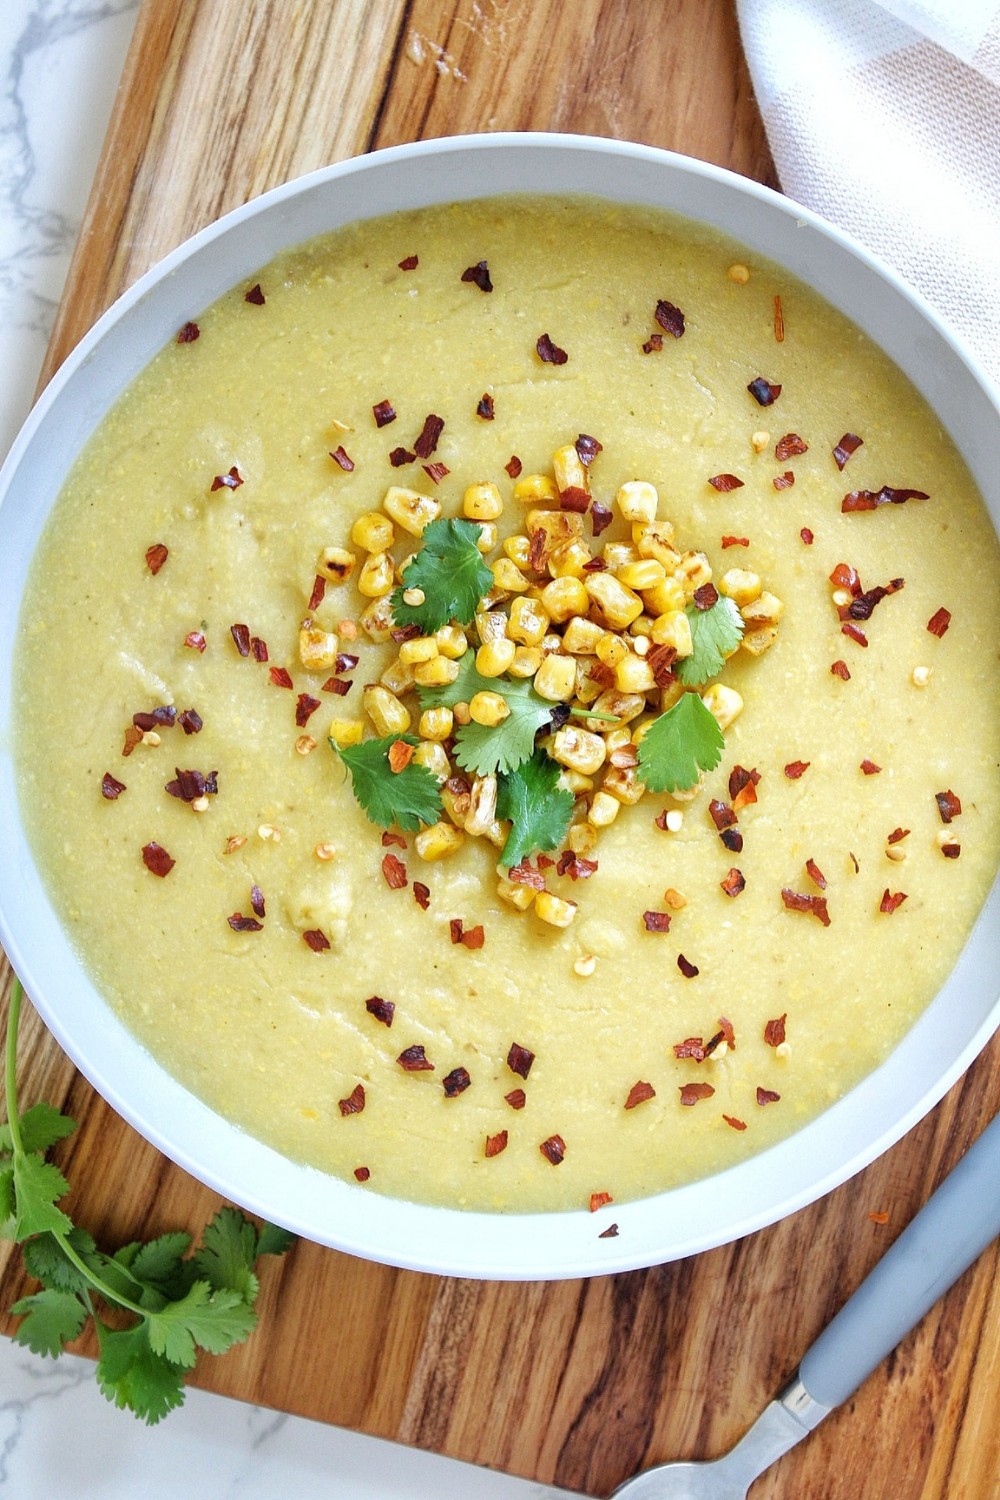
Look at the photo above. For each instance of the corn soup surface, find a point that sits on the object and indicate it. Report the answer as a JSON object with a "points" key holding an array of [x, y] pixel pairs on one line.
{"points": [[206, 500]]}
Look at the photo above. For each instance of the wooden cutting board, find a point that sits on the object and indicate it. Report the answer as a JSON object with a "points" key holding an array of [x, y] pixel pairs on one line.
{"points": [[579, 1383]]}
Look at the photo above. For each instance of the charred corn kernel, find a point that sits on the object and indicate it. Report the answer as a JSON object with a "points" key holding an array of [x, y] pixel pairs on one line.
{"points": [[526, 661], [488, 708], [673, 628], [403, 564], [554, 910], [652, 537], [568, 470], [494, 657], [397, 677], [578, 749], [633, 674], [409, 509], [515, 894], [603, 810], [617, 605], [550, 642], [452, 642], [644, 573], [317, 648], [373, 532], [344, 732], [587, 687], [618, 555], [508, 576], [436, 723], [610, 649], [461, 712], [438, 841], [581, 636], [564, 597], [482, 806], [488, 536], [376, 619], [622, 783], [764, 610], [723, 703], [421, 648], [482, 502], [336, 564], [622, 706], [570, 559], [664, 597], [576, 782], [556, 678], [491, 625], [640, 629], [528, 621], [617, 737], [432, 755], [437, 672], [518, 549], [498, 832], [582, 838], [556, 527], [385, 710], [377, 575], [536, 489], [637, 500], [740, 585], [760, 639], [693, 570], [759, 440]]}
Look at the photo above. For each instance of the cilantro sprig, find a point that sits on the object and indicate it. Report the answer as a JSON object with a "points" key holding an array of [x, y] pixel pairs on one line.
{"points": [[715, 635], [678, 745], [408, 797], [501, 747], [154, 1305], [450, 573], [538, 808]]}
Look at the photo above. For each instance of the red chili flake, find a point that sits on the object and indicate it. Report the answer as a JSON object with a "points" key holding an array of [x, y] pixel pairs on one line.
{"points": [[952, 850], [639, 1093], [188, 786], [413, 1060], [392, 840], [611, 1233], [496, 1143], [550, 353], [870, 768], [725, 482], [157, 860], [399, 757], [653, 344], [871, 499], [340, 457], [401, 633], [601, 517], [239, 923], [661, 662], [846, 577], [688, 969], [517, 1098], [897, 834], [281, 677], [258, 648], [795, 901], [767, 1096], [774, 1031], [839, 669], [479, 275], [436, 472], [519, 1059], [736, 1124], [382, 1010], [111, 789], [807, 536], [400, 456], [734, 882], [162, 717], [189, 333], [599, 1200], [316, 940], [554, 1149], [783, 481], [485, 407], [732, 839], [693, 1047], [526, 874], [156, 556], [429, 434], [305, 706], [230, 481], [513, 467], [384, 412], [409, 263], [544, 861], [796, 768], [257, 901], [355, 1103], [743, 786], [474, 937], [721, 813], [195, 640], [575, 499], [670, 318], [815, 873], [133, 737], [706, 596], [457, 928], [394, 872], [789, 447], [728, 1034], [948, 805], [241, 638], [939, 622], [362, 1173], [763, 392], [255, 296], [656, 921], [863, 606], [849, 443], [692, 1092], [339, 685], [779, 322], [318, 593], [735, 541], [575, 866], [855, 632], [455, 1083]]}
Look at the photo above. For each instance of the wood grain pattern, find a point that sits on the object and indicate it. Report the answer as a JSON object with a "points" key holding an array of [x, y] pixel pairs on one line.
{"points": [[582, 1382]]}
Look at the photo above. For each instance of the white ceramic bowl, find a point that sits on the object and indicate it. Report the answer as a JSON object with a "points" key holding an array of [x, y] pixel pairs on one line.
{"points": [[676, 1223]]}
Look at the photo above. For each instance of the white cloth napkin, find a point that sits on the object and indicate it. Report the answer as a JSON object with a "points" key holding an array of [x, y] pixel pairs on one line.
{"points": [[884, 117]]}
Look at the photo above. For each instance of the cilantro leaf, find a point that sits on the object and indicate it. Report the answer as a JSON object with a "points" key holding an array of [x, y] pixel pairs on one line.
{"points": [[274, 1241], [51, 1321], [133, 1377], [37, 1188], [42, 1126], [160, 1268], [450, 571], [501, 747], [715, 634], [47, 1261], [204, 1319], [227, 1254], [680, 743], [538, 808], [408, 797]]}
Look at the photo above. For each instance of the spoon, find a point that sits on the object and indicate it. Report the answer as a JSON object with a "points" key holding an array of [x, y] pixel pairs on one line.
{"points": [[947, 1235]]}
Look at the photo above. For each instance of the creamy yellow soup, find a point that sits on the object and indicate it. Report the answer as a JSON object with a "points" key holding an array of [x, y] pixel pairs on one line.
{"points": [[206, 500]]}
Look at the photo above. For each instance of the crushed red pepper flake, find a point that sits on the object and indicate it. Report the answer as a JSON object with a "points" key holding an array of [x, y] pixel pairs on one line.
{"points": [[706, 596], [400, 456], [188, 333], [525, 873], [951, 850], [414, 1060], [156, 556], [767, 1096], [848, 445], [807, 536], [162, 717], [774, 1030], [519, 1059], [891, 902], [870, 768], [948, 805], [575, 866], [815, 874], [436, 472], [897, 834], [656, 921], [550, 353], [239, 923], [872, 499], [764, 392], [384, 412], [111, 787], [783, 481], [789, 446], [855, 632], [485, 407], [611, 1233], [574, 498], [255, 296], [796, 901], [691, 1093], [513, 467], [456, 1082], [517, 1098], [429, 435], [692, 1047], [280, 676], [687, 968], [844, 576], [601, 517], [862, 606], [721, 813], [394, 872], [133, 737], [797, 768], [399, 757], [732, 838], [734, 882], [734, 1123], [189, 785], [743, 785], [241, 638], [316, 939], [258, 648], [305, 706], [840, 669], [599, 1200], [496, 1143], [257, 901], [473, 938], [939, 622], [341, 458], [553, 1149], [408, 263], [779, 321], [229, 481], [479, 275], [735, 541], [401, 633], [382, 1010], [728, 1034], [362, 1173], [195, 640], [725, 482], [653, 344], [157, 860], [391, 840], [670, 318], [639, 1093], [318, 593], [355, 1101], [339, 685]]}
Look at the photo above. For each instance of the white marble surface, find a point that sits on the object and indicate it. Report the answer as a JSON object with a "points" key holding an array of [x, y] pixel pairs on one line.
{"points": [[59, 1438]]}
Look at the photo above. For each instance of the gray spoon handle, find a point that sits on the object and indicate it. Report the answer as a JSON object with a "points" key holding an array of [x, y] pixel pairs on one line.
{"points": [[947, 1235]]}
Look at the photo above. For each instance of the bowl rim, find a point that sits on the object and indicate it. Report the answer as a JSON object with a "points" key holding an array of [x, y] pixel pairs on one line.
{"points": [[533, 1246]]}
